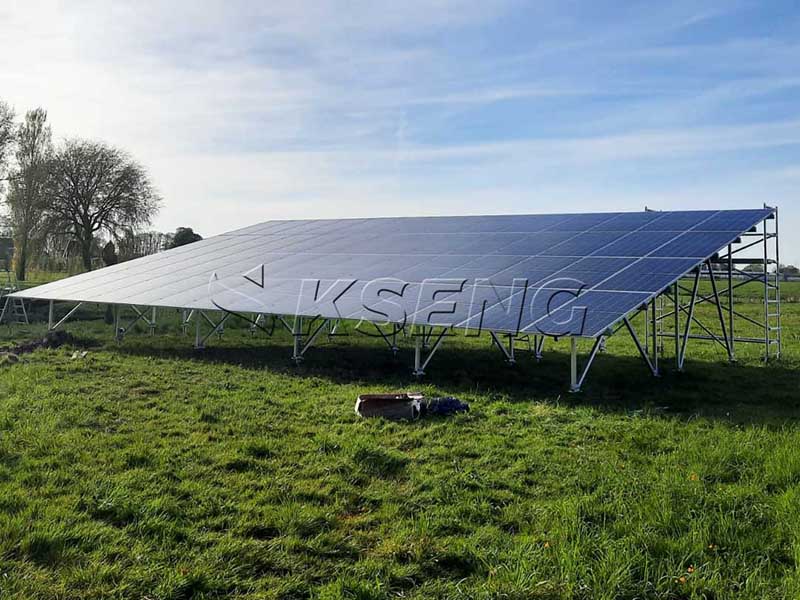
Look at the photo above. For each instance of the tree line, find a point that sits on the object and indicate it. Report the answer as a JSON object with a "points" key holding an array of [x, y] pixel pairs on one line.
{"points": [[80, 196]]}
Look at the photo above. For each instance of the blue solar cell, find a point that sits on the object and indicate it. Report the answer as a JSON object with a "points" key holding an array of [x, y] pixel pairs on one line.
{"points": [[738, 221], [587, 272], [649, 275], [696, 244], [588, 315], [679, 221], [535, 243], [531, 223], [639, 243], [626, 222], [579, 223], [582, 244], [484, 267]]}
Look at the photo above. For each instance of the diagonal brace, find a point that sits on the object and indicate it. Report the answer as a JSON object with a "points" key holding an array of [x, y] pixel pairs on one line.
{"points": [[576, 379], [64, 319], [199, 339], [640, 348], [419, 363], [507, 352]]}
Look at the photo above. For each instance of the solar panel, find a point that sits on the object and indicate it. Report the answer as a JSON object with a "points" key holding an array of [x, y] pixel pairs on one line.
{"points": [[564, 274]]}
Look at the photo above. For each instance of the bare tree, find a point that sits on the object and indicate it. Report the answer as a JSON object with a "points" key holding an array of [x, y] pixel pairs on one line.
{"points": [[26, 197], [95, 188], [7, 131]]}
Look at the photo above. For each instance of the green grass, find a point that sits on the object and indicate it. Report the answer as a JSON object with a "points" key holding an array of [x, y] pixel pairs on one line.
{"points": [[151, 471]]}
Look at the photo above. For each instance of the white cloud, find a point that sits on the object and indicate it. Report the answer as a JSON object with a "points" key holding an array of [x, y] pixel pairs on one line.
{"points": [[248, 111]]}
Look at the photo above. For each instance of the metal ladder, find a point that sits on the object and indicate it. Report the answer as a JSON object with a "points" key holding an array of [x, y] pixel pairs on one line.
{"points": [[772, 297], [13, 309]]}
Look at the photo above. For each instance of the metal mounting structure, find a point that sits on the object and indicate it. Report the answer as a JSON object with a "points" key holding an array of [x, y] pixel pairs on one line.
{"points": [[216, 328], [577, 378], [304, 340], [52, 325], [121, 331], [507, 349], [421, 361], [636, 262], [389, 338], [726, 269], [678, 305]]}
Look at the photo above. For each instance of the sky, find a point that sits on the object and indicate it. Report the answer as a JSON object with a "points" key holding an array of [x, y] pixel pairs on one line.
{"points": [[249, 111]]}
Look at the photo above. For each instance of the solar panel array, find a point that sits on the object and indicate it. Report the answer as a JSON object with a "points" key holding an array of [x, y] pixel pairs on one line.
{"points": [[560, 274]]}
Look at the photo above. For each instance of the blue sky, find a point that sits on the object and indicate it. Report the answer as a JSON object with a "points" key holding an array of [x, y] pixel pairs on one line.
{"points": [[244, 112]]}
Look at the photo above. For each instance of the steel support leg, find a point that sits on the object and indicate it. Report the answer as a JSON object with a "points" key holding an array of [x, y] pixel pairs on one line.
{"points": [[720, 314], [297, 337], [299, 347], [390, 339], [122, 331], [50, 311], [689, 320], [654, 326], [766, 293], [676, 297], [576, 380], [53, 326], [731, 334], [186, 317], [418, 372], [152, 322], [538, 347], [642, 351], [508, 352], [198, 334], [117, 329], [199, 339], [573, 365], [421, 363]]}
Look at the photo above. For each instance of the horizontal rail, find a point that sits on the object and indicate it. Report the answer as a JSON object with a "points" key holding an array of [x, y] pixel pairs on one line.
{"points": [[697, 336]]}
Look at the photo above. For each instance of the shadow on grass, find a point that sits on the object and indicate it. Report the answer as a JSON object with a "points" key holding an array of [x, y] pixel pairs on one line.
{"points": [[745, 393]]}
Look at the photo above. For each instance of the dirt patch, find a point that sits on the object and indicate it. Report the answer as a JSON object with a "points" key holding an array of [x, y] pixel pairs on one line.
{"points": [[53, 339]]}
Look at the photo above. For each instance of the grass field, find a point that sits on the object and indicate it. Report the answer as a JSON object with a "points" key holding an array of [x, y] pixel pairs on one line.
{"points": [[149, 470]]}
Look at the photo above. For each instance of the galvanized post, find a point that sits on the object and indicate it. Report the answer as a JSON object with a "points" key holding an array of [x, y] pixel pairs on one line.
{"points": [[573, 364], [152, 321], [778, 287], [655, 337], [297, 334], [718, 302], [418, 355], [539, 347], [677, 319], [766, 293], [689, 317], [732, 335], [117, 336], [198, 334], [50, 316]]}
